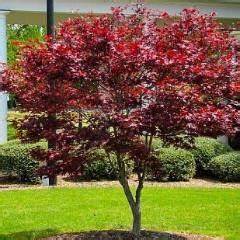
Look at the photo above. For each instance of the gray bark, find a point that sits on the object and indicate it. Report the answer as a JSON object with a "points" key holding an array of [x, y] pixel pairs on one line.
{"points": [[134, 203], [137, 219]]}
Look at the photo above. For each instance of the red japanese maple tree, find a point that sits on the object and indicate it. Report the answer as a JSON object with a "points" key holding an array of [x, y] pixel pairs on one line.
{"points": [[131, 78]]}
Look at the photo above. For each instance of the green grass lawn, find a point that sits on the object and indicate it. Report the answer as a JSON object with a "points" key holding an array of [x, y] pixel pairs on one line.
{"points": [[29, 214]]}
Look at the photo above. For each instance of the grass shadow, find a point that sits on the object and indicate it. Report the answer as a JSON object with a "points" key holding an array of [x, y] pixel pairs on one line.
{"points": [[29, 235], [119, 235], [54, 234]]}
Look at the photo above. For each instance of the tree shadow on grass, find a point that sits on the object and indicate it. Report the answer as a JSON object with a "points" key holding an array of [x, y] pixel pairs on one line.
{"points": [[53, 234], [120, 235], [29, 235]]}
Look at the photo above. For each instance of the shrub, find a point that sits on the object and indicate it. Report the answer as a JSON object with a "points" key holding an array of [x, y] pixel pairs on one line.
{"points": [[15, 160], [103, 166], [11, 132], [157, 144], [206, 149], [235, 141], [15, 115], [174, 165], [226, 167], [12, 117]]}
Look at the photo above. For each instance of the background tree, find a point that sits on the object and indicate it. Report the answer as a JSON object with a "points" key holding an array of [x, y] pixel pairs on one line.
{"points": [[19, 34], [130, 78]]}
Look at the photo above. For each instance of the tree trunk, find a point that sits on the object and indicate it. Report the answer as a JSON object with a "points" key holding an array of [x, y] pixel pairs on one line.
{"points": [[134, 203], [52, 178], [137, 220], [135, 209]]}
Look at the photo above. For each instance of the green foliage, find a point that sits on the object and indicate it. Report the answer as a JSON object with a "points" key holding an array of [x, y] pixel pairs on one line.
{"points": [[157, 144], [21, 33], [13, 116], [174, 165], [226, 167], [12, 102], [15, 160], [206, 149], [11, 132], [103, 166]]}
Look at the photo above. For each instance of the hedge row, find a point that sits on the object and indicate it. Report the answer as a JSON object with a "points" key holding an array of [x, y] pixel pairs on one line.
{"points": [[174, 165], [217, 160], [208, 157], [206, 149], [103, 166], [226, 167], [15, 160]]}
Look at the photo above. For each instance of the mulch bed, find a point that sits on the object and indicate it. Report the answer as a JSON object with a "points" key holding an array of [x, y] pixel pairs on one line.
{"points": [[7, 183], [124, 235]]}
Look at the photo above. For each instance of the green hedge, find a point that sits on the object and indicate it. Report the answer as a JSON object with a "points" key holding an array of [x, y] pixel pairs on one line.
{"points": [[157, 144], [15, 160], [174, 165], [226, 167], [103, 166], [206, 149]]}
